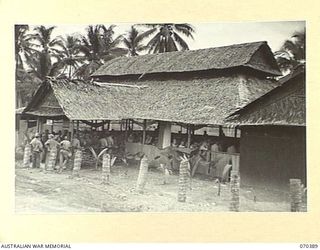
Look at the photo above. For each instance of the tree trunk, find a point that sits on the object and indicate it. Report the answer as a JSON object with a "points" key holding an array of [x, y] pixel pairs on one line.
{"points": [[142, 178], [77, 163], [183, 180], [106, 168], [26, 156]]}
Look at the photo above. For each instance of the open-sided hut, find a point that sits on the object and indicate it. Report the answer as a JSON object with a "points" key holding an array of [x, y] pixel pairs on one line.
{"points": [[196, 88], [199, 87], [273, 135]]}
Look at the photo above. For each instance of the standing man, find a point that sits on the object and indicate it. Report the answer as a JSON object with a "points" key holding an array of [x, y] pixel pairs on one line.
{"points": [[76, 143], [65, 153], [36, 148], [103, 143]]}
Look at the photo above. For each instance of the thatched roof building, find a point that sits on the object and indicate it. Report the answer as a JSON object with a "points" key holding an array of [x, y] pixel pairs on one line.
{"points": [[196, 101], [284, 105], [79, 100], [256, 56], [195, 87]]}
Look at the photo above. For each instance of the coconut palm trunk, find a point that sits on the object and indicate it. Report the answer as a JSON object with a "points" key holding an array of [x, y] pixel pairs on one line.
{"points": [[183, 179], [235, 191], [52, 159], [26, 156], [143, 172], [77, 163], [106, 168]]}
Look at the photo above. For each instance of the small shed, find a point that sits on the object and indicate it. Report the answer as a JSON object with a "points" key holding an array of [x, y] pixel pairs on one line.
{"points": [[273, 135]]}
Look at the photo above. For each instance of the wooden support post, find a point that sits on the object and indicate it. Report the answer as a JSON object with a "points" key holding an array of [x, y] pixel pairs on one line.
{"points": [[235, 132], [235, 191], [126, 131], [52, 126], [295, 195], [108, 126], [71, 126], [189, 135], [164, 134], [144, 131], [78, 124], [38, 124]]}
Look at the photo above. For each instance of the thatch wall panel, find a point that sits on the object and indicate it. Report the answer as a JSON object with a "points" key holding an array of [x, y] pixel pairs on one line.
{"points": [[284, 105]]}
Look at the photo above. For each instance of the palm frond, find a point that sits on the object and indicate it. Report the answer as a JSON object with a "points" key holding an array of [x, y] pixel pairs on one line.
{"points": [[180, 41], [145, 35], [185, 28]]}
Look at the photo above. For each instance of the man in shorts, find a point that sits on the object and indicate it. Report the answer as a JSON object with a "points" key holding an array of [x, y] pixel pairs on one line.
{"points": [[37, 148]]}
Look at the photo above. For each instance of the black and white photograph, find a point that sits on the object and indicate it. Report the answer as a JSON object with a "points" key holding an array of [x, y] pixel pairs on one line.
{"points": [[160, 117]]}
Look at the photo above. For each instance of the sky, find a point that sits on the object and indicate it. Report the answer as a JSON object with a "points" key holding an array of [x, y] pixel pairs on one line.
{"points": [[217, 34]]}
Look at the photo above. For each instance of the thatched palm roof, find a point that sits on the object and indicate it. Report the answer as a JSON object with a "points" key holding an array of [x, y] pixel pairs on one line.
{"points": [[194, 101], [284, 105], [257, 56], [77, 100]]}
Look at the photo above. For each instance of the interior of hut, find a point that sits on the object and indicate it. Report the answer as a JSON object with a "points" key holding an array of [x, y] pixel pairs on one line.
{"points": [[212, 150]]}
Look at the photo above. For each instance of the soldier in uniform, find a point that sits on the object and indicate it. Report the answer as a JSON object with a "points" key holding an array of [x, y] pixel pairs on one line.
{"points": [[36, 149]]}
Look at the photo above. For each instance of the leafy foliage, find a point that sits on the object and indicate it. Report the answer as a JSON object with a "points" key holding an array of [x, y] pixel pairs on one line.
{"points": [[168, 38], [292, 52], [98, 46], [134, 41]]}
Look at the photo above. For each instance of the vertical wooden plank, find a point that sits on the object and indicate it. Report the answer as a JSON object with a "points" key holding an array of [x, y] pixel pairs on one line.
{"points": [[235, 132]]}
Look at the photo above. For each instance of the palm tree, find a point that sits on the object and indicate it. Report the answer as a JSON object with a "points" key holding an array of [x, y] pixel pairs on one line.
{"points": [[23, 49], [167, 37], [133, 41], [70, 55], [292, 52], [98, 46], [46, 61]]}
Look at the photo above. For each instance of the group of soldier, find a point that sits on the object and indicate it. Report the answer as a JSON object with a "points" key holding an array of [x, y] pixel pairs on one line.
{"points": [[42, 149]]}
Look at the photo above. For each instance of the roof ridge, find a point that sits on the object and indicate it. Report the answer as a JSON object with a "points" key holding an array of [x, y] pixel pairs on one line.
{"points": [[218, 58]]}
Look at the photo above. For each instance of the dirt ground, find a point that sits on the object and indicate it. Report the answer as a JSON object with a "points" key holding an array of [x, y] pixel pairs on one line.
{"points": [[50, 192]]}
